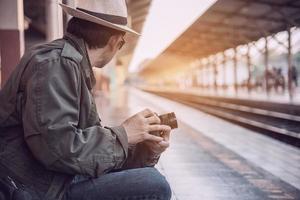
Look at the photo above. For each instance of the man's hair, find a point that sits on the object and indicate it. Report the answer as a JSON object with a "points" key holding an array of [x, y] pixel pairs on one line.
{"points": [[95, 35]]}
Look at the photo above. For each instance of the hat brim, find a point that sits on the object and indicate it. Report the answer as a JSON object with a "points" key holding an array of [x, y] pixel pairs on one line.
{"points": [[85, 16]]}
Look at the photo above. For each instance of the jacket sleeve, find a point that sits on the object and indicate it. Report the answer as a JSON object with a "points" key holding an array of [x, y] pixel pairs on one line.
{"points": [[50, 120], [140, 156]]}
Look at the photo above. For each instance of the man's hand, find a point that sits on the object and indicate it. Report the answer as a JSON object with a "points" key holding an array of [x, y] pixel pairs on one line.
{"points": [[138, 127], [159, 147]]}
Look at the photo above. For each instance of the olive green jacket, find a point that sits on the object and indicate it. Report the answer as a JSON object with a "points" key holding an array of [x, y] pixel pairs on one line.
{"points": [[49, 125]]}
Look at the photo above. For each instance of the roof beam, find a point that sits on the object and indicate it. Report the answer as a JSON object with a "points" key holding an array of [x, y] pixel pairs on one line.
{"points": [[213, 25], [289, 4], [223, 44], [143, 11], [247, 17], [136, 5], [230, 29], [212, 35], [139, 19], [238, 9], [202, 48], [288, 19]]}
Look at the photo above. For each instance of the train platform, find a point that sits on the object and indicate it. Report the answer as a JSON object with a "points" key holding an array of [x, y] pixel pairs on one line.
{"points": [[210, 158]]}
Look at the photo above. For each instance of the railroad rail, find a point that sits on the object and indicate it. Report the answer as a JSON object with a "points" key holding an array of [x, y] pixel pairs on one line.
{"points": [[280, 121]]}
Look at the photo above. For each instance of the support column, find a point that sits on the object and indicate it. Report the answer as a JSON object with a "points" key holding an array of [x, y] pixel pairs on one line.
{"points": [[66, 17], [249, 87], [211, 74], [224, 71], [289, 59], [71, 3], [235, 82], [208, 73], [11, 36], [267, 66], [54, 19], [200, 74], [215, 73], [203, 74]]}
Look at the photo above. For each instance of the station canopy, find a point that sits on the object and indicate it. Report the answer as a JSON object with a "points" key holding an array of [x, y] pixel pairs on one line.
{"points": [[228, 24]]}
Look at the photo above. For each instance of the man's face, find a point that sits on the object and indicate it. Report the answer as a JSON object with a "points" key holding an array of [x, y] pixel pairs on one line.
{"points": [[104, 56]]}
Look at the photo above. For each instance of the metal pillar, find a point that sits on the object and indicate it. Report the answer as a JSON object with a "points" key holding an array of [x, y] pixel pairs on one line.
{"points": [[289, 59], [54, 19], [11, 36], [215, 73], [200, 74], [224, 70], [249, 87], [235, 83], [208, 73], [66, 17], [203, 75], [267, 66], [71, 3]]}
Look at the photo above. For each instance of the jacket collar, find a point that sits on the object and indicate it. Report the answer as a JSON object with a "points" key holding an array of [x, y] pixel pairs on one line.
{"points": [[80, 46]]}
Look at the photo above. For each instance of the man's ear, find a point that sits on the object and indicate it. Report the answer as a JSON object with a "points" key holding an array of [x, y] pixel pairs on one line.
{"points": [[113, 42]]}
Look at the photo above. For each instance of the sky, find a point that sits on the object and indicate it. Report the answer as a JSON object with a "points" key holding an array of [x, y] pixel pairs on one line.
{"points": [[166, 21]]}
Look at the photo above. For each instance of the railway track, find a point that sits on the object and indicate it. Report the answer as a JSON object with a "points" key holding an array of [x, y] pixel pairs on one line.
{"points": [[280, 121]]}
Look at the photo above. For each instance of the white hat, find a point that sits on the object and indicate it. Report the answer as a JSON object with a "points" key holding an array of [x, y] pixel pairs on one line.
{"points": [[110, 13]]}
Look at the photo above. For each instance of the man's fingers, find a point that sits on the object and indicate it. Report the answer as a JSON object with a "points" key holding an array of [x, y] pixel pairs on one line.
{"points": [[159, 127], [153, 138], [153, 120], [147, 113], [166, 135], [164, 144]]}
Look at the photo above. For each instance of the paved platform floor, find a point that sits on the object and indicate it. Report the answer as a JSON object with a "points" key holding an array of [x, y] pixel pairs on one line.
{"points": [[210, 158]]}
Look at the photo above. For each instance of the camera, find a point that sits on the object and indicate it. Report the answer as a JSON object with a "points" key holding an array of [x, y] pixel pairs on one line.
{"points": [[168, 119]]}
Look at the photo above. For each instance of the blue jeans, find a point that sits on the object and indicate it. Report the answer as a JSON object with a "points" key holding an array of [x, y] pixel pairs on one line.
{"points": [[133, 184]]}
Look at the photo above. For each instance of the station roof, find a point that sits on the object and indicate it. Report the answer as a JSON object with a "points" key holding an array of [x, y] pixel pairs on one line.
{"points": [[230, 23]]}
